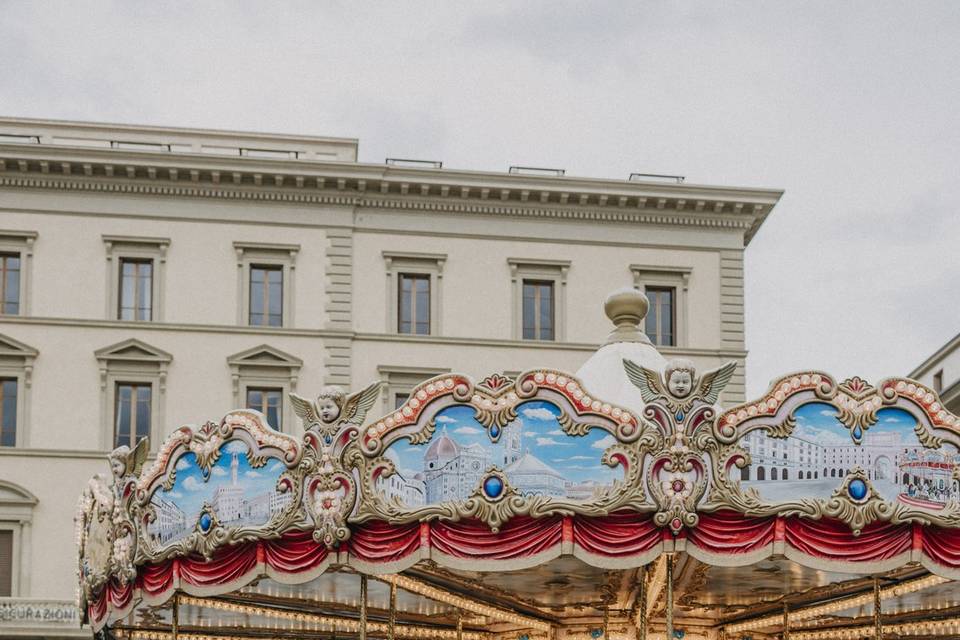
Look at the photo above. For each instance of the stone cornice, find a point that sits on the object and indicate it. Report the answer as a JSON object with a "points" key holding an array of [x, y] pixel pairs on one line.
{"points": [[357, 185]]}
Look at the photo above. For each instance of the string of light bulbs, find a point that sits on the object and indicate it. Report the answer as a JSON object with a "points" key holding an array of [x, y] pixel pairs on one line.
{"points": [[429, 591], [325, 622], [806, 613]]}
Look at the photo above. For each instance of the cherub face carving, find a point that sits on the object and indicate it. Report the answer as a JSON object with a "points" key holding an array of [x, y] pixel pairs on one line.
{"points": [[329, 410], [680, 383]]}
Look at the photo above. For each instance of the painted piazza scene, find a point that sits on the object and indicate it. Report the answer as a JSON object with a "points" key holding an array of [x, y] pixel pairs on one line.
{"points": [[235, 492], [820, 453], [534, 453]]}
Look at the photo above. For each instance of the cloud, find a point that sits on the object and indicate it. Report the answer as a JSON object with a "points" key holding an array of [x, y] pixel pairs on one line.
{"points": [[183, 464], [556, 432], [192, 484], [252, 474], [174, 494], [604, 442], [445, 419], [550, 442], [581, 458], [828, 413], [467, 431], [275, 466], [236, 446], [539, 413], [218, 471]]}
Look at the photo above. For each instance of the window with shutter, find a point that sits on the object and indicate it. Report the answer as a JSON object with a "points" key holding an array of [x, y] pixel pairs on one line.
{"points": [[6, 563]]}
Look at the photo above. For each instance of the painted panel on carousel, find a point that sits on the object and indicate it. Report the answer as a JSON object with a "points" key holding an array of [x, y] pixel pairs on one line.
{"points": [[533, 451], [850, 450], [220, 484], [816, 458], [231, 492], [499, 448]]}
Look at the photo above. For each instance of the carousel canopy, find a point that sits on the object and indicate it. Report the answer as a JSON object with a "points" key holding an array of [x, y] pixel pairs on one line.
{"points": [[620, 502]]}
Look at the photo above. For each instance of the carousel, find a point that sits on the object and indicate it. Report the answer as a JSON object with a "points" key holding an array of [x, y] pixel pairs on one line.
{"points": [[617, 502]]}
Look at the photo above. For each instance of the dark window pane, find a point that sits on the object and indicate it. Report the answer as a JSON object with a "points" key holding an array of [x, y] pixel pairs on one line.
{"points": [[266, 296], [660, 319], [143, 412], [413, 303], [136, 290], [268, 402], [537, 309], [8, 413], [399, 399], [10, 283], [124, 418], [6, 564]]}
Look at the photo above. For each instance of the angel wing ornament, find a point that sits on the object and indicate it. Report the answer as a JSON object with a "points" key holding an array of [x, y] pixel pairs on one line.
{"points": [[334, 408], [678, 386]]}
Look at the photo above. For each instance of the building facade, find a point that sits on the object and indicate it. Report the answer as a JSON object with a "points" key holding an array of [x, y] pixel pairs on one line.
{"points": [[941, 372], [153, 277]]}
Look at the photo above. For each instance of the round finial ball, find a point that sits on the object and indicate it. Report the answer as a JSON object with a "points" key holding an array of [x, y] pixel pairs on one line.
{"points": [[626, 305]]}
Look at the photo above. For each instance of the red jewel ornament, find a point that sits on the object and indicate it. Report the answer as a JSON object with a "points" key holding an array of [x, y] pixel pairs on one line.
{"points": [[675, 524], [327, 503], [677, 486]]}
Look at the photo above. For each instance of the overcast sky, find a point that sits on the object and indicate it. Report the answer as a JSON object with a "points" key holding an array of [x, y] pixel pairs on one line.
{"points": [[849, 107]]}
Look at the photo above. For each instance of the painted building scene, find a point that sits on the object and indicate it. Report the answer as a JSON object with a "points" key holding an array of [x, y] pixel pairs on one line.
{"points": [[234, 491], [820, 453], [537, 457]]}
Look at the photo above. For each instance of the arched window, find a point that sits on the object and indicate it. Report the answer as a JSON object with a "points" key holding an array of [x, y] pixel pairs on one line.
{"points": [[786, 474], [824, 472], [833, 473], [816, 475], [761, 473], [906, 478], [773, 474], [745, 473]]}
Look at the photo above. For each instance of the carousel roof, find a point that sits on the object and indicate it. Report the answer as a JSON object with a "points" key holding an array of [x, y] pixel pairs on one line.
{"points": [[781, 513]]}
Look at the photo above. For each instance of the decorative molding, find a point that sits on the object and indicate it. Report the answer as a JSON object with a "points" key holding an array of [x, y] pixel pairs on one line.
{"points": [[143, 247], [264, 365], [269, 253], [540, 269], [430, 264]]}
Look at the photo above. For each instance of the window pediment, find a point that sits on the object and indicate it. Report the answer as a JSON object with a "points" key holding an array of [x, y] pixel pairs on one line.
{"points": [[133, 350], [264, 356], [13, 495], [10, 348]]}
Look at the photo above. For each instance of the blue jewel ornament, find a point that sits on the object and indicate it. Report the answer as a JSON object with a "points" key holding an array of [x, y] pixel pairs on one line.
{"points": [[494, 432], [328, 438], [596, 633], [493, 486], [523, 636], [857, 433], [857, 489], [205, 522], [679, 416]]}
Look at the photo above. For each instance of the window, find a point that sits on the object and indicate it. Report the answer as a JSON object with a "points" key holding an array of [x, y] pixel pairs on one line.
{"points": [[10, 283], [133, 387], [132, 416], [538, 310], [8, 412], [16, 261], [938, 381], [660, 327], [269, 402], [414, 289], [399, 399], [135, 273], [266, 296], [666, 288], [16, 520], [263, 378], [6, 564], [265, 283], [413, 308], [539, 298], [16, 373], [136, 289]]}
